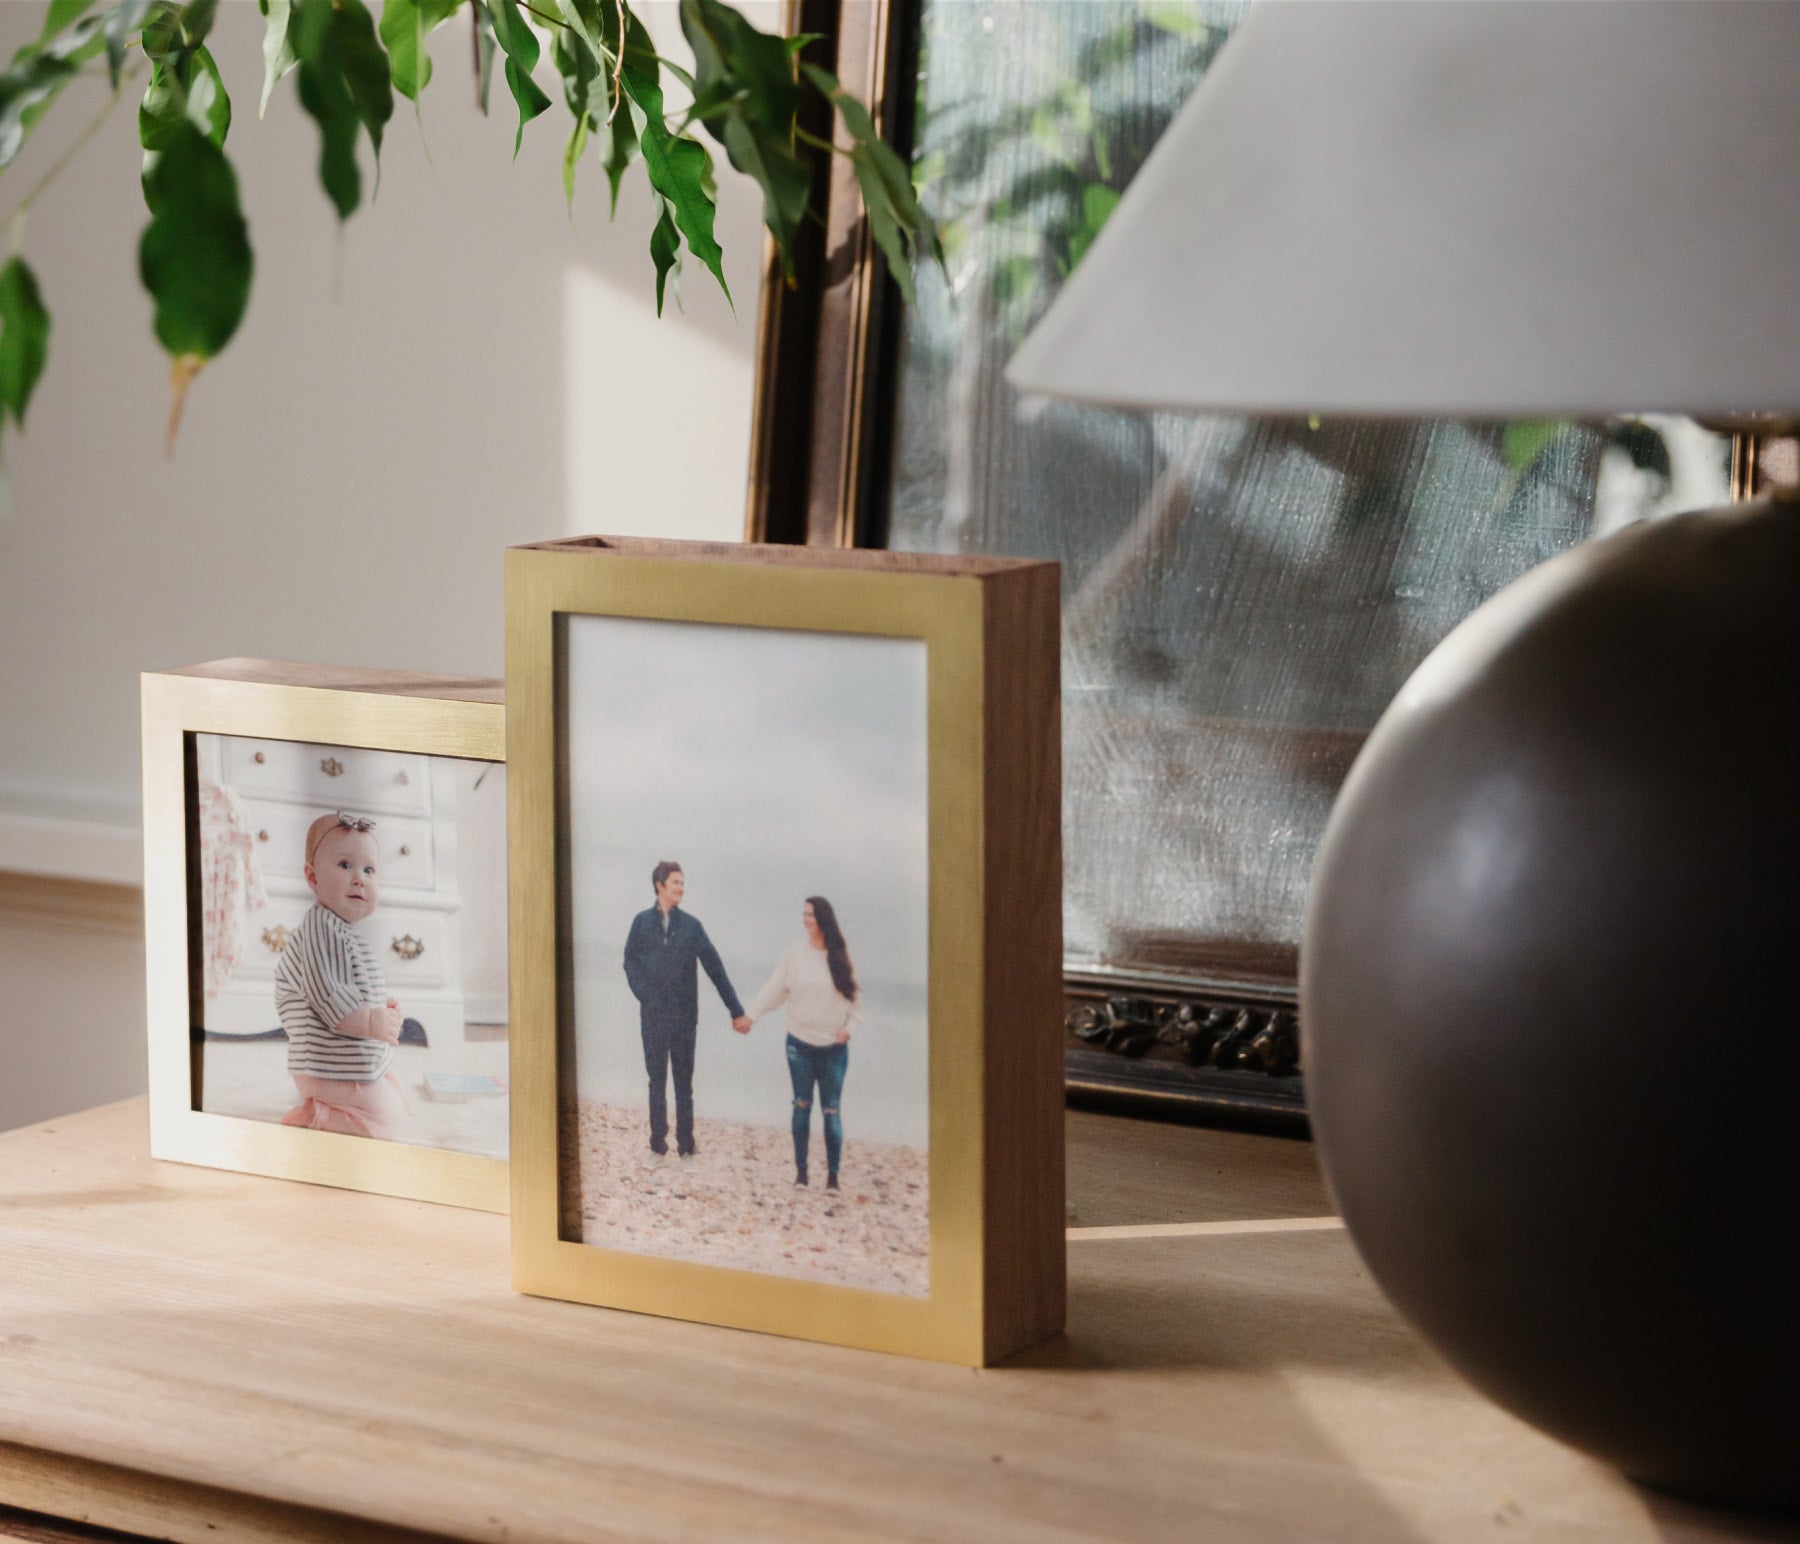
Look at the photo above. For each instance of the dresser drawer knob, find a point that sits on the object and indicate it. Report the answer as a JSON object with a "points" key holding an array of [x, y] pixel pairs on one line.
{"points": [[262, 836], [406, 852], [332, 767], [408, 947], [260, 758], [402, 778], [275, 939]]}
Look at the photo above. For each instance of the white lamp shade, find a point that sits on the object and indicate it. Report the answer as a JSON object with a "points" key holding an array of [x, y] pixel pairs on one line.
{"points": [[1463, 208]]}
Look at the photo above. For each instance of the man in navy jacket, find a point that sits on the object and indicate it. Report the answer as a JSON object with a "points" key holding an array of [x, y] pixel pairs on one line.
{"points": [[661, 950]]}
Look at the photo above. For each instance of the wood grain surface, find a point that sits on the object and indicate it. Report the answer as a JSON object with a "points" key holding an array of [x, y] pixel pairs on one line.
{"points": [[1024, 1291], [177, 1342]]}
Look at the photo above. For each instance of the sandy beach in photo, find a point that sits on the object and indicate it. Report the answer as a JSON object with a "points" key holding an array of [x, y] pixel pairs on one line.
{"points": [[734, 1203]]}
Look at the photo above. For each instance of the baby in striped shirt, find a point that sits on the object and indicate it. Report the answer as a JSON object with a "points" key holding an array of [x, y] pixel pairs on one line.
{"points": [[342, 1026]]}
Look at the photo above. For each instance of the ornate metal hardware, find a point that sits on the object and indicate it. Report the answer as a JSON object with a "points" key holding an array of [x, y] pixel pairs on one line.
{"points": [[408, 947], [332, 767], [275, 939], [1254, 1038]]}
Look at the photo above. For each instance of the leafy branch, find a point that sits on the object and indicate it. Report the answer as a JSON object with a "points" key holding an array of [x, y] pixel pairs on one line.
{"points": [[195, 258]]}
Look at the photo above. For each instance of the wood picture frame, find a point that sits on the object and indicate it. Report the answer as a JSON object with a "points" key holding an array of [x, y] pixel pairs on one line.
{"points": [[286, 706], [977, 640], [1171, 1022]]}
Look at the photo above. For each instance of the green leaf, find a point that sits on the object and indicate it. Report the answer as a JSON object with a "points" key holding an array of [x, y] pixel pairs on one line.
{"points": [[520, 45], [36, 77], [618, 139], [575, 59], [24, 339], [883, 226], [679, 170], [405, 25], [898, 224], [665, 249], [278, 47], [618, 149], [1097, 204], [640, 48], [756, 65], [120, 22], [572, 152], [484, 55], [162, 31], [1016, 280], [1523, 442], [195, 257], [785, 179], [1181, 18], [748, 99], [344, 86], [197, 17], [185, 88], [365, 68], [59, 14], [325, 95], [593, 27], [196, 21]]}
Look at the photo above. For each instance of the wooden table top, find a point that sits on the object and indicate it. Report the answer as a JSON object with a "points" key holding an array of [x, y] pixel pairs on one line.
{"points": [[194, 1354]]}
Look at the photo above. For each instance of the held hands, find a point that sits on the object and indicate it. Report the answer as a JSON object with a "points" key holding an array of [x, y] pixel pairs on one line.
{"points": [[741, 1023]]}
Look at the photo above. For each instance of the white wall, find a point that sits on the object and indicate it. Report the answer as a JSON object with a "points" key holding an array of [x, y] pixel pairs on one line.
{"points": [[462, 368]]}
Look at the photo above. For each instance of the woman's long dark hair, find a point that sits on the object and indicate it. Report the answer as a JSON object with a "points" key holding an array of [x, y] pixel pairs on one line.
{"points": [[837, 952]]}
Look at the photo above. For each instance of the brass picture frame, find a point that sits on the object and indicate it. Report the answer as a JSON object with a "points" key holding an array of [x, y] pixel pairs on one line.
{"points": [[262, 699], [996, 1208]]}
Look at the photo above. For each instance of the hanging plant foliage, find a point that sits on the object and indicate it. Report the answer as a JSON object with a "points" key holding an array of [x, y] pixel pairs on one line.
{"points": [[195, 257]]}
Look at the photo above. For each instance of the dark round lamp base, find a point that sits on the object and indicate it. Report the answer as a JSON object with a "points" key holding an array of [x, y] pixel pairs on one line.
{"points": [[1551, 1009]]}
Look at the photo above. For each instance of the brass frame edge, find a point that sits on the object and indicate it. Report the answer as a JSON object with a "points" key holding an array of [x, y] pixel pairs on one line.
{"points": [[946, 612], [174, 707]]}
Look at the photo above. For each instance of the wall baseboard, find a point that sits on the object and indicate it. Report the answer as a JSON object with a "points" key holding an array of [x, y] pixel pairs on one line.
{"points": [[53, 904], [485, 1008], [71, 839]]}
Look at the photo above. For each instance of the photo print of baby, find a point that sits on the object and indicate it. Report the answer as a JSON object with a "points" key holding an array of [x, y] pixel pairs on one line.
{"points": [[748, 916], [352, 910]]}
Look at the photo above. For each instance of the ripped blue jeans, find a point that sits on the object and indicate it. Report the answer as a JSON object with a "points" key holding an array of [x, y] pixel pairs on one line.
{"points": [[824, 1065]]}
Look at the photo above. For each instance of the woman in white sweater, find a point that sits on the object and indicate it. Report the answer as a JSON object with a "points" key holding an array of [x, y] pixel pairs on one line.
{"points": [[818, 986]]}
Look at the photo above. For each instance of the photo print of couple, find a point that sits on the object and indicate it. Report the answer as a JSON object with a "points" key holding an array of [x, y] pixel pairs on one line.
{"points": [[748, 918]]}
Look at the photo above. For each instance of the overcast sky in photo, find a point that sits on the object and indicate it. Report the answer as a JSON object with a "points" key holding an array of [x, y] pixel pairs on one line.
{"points": [[772, 765]]}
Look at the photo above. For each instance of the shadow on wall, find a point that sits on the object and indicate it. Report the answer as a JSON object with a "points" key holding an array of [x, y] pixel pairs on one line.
{"points": [[462, 366]]}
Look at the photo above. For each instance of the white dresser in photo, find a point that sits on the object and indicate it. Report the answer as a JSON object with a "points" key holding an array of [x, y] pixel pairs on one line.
{"points": [[281, 787]]}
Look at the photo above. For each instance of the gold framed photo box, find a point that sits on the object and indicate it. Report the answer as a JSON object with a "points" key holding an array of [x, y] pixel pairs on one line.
{"points": [[786, 931], [325, 926]]}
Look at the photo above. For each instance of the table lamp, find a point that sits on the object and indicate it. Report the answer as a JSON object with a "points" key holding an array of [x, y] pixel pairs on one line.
{"points": [[1549, 1028]]}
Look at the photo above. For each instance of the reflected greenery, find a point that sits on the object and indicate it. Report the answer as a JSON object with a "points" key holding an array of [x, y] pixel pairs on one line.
{"points": [[1242, 597]]}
